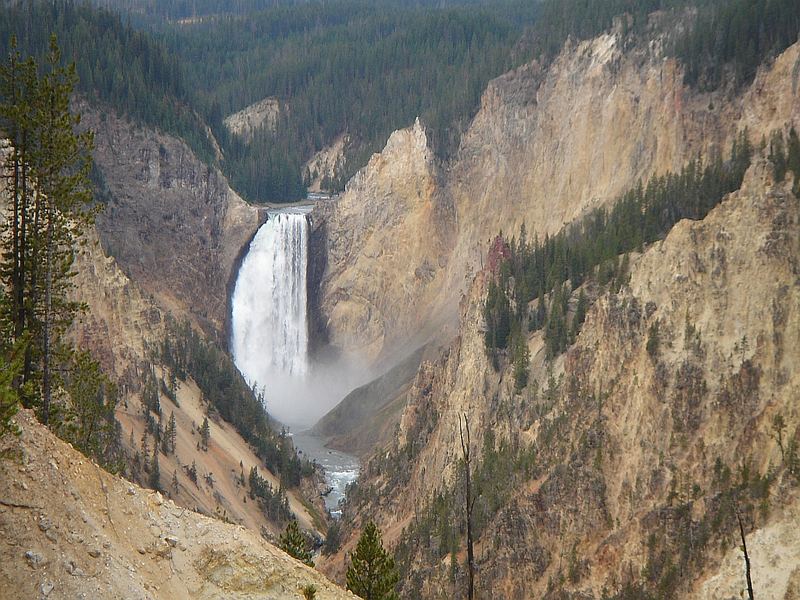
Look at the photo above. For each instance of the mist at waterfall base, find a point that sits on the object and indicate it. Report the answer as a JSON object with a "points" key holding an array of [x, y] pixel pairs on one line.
{"points": [[269, 325]]}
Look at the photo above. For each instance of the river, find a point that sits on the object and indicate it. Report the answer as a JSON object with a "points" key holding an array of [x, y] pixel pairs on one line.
{"points": [[341, 469]]}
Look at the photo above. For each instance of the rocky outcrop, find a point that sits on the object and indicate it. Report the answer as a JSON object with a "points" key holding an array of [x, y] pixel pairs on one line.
{"points": [[172, 223], [72, 530], [247, 121], [385, 241], [323, 166], [626, 441]]}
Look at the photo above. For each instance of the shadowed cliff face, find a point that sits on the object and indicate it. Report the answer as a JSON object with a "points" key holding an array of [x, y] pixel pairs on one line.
{"points": [[173, 224], [545, 147]]}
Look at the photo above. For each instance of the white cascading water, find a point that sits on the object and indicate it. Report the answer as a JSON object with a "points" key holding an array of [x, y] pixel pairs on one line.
{"points": [[269, 310], [269, 338]]}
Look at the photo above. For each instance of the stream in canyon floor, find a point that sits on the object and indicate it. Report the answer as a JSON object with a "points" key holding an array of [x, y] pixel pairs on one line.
{"points": [[269, 341], [341, 469]]}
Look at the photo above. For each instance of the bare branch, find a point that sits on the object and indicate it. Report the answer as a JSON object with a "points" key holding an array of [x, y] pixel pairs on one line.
{"points": [[16, 505]]}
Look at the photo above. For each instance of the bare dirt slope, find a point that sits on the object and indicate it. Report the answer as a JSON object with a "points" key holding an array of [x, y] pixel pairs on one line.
{"points": [[228, 458], [71, 530]]}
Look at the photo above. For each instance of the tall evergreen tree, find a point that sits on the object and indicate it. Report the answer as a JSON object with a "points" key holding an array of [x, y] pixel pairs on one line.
{"points": [[47, 202], [294, 543], [205, 434], [155, 470], [10, 368], [88, 421], [172, 432], [372, 574]]}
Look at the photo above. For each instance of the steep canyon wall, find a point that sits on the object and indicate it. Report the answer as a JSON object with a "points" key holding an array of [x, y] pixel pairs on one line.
{"points": [[172, 223], [628, 445], [547, 145]]}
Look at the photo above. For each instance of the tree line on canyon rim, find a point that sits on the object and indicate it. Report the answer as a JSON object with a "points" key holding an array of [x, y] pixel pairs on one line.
{"points": [[354, 67], [596, 249]]}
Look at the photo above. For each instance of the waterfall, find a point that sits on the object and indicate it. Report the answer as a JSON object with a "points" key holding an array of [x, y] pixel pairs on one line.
{"points": [[269, 324]]}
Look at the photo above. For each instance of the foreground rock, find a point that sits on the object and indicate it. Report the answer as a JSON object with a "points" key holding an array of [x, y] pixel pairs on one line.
{"points": [[71, 530]]}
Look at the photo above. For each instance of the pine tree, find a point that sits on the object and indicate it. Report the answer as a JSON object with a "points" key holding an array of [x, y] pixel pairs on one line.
{"points": [[294, 543], [580, 316], [372, 574], [145, 451], [793, 159], [18, 88], [46, 203], [62, 176], [163, 436], [521, 363], [172, 432], [9, 401], [155, 471], [89, 422], [175, 485], [205, 434]]}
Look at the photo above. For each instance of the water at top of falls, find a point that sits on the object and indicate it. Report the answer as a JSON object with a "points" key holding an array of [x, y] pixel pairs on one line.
{"points": [[269, 326], [269, 320]]}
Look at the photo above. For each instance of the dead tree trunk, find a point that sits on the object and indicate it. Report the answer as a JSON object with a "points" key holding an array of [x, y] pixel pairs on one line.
{"points": [[465, 450], [746, 558]]}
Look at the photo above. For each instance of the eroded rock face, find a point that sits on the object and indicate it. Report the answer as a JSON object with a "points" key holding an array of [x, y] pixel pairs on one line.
{"points": [[626, 439], [120, 321], [545, 147], [385, 241], [261, 114], [172, 223], [615, 429]]}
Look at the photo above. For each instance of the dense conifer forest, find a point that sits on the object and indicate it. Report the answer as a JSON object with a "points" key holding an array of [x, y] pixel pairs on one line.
{"points": [[355, 67], [364, 69], [348, 66], [116, 64], [725, 39]]}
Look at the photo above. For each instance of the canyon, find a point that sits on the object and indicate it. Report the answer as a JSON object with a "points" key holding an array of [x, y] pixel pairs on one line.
{"points": [[87, 532], [617, 468]]}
